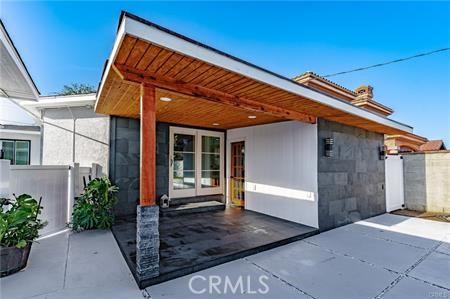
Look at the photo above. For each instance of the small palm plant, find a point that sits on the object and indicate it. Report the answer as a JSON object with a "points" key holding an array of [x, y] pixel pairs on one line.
{"points": [[94, 208]]}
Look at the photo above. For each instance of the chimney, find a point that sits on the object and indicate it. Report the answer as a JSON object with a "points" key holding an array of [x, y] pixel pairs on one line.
{"points": [[364, 92]]}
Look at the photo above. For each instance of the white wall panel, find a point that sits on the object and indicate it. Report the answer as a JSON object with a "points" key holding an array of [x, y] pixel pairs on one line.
{"points": [[281, 170]]}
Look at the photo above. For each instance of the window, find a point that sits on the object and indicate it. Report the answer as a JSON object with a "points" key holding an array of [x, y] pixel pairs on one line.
{"points": [[17, 151], [196, 162]]}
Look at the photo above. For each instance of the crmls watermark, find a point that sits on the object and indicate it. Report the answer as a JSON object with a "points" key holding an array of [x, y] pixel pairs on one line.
{"points": [[215, 284]]}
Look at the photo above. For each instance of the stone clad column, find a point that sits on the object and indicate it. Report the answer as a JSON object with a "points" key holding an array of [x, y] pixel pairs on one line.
{"points": [[147, 221]]}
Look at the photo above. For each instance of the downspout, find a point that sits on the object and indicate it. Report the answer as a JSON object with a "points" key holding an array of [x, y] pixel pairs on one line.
{"points": [[73, 133]]}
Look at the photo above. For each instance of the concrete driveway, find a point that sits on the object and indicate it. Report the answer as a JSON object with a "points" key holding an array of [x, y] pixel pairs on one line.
{"points": [[387, 256]]}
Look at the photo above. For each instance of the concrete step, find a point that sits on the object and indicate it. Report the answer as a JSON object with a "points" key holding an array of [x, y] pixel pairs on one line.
{"points": [[186, 200], [192, 207]]}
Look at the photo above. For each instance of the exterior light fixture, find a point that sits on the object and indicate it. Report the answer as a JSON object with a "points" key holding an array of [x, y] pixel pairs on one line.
{"points": [[329, 147], [165, 99], [252, 116], [382, 152], [215, 124]]}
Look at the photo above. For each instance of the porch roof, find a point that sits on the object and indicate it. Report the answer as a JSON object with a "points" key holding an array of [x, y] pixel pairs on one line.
{"points": [[224, 90]]}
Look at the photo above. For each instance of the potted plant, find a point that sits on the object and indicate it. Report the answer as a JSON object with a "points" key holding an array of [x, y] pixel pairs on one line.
{"points": [[19, 227], [94, 208]]}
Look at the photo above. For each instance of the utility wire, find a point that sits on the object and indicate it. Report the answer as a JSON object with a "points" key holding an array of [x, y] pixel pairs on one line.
{"points": [[386, 63]]}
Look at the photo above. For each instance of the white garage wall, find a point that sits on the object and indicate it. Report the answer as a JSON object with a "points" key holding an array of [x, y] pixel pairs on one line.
{"points": [[281, 170]]}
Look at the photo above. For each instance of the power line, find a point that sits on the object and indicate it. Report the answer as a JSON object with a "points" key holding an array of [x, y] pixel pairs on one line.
{"points": [[386, 63]]}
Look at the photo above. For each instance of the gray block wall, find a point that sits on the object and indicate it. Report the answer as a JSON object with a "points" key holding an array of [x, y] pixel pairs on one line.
{"points": [[124, 161], [426, 181], [351, 183]]}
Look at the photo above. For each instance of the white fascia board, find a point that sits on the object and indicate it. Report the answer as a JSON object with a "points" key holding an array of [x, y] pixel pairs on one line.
{"points": [[20, 132], [62, 101], [183, 46], [112, 57], [18, 62]]}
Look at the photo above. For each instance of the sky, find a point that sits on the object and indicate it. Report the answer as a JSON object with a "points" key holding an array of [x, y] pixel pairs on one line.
{"points": [[68, 42]]}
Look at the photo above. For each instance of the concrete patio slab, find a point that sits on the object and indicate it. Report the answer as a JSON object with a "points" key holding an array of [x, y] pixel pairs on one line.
{"points": [[44, 272], [423, 228], [90, 265], [233, 271], [84, 265], [386, 233], [322, 274], [445, 246], [389, 255], [415, 289], [434, 269]]}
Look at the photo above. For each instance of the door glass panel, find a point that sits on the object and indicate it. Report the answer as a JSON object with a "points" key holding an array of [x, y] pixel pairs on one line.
{"points": [[184, 143], [183, 180], [7, 147], [210, 144], [210, 161], [210, 179], [183, 162], [22, 153], [210, 175]]}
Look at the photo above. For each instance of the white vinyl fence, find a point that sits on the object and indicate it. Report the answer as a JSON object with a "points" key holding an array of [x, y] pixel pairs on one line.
{"points": [[53, 184], [58, 185], [395, 198]]}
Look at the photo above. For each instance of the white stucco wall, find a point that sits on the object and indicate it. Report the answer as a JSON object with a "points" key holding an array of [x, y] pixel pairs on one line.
{"points": [[280, 170], [33, 137], [90, 144]]}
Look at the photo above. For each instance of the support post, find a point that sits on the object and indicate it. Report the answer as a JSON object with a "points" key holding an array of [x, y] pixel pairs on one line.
{"points": [[147, 220], [148, 146]]}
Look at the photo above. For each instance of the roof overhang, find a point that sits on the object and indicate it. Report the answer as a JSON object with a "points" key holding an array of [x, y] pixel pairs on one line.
{"points": [[15, 80], [48, 102], [144, 50]]}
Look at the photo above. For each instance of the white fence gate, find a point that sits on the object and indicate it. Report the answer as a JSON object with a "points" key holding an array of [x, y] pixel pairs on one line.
{"points": [[395, 198]]}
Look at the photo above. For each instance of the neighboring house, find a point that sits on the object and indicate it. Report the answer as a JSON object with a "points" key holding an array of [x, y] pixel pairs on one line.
{"points": [[363, 97], [19, 131], [433, 145], [72, 131], [410, 143], [193, 123], [47, 130]]}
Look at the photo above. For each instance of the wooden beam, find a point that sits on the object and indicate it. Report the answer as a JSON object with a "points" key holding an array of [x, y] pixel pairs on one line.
{"points": [[138, 76], [147, 192]]}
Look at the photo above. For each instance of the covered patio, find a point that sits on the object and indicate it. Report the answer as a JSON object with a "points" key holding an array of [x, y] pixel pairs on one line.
{"points": [[194, 105], [195, 241]]}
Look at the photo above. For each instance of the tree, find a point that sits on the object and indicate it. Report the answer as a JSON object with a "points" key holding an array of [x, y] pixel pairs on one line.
{"points": [[77, 88]]}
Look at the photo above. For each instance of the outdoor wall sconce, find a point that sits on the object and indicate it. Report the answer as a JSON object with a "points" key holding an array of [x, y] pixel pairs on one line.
{"points": [[329, 147], [382, 152]]}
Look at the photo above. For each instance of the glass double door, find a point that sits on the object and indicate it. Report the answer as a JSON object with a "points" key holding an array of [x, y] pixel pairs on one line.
{"points": [[196, 162]]}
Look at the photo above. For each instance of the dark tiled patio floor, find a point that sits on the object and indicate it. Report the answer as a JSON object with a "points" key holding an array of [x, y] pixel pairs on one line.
{"points": [[197, 241]]}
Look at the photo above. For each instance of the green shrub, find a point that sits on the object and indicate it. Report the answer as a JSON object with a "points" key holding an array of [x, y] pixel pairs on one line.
{"points": [[94, 208], [19, 224]]}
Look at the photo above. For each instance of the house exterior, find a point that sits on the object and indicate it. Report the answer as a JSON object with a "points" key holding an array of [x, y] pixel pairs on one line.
{"points": [[189, 121], [19, 131], [71, 131]]}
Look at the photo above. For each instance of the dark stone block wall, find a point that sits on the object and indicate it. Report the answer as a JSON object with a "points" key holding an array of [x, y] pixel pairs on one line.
{"points": [[351, 183], [124, 161]]}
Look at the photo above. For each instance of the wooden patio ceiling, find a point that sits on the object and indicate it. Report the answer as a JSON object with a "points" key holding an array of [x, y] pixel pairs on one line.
{"points": [[204, 93]]}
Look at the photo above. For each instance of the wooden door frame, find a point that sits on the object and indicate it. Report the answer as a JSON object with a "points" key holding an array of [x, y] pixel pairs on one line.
{"points": [[228, 170]]}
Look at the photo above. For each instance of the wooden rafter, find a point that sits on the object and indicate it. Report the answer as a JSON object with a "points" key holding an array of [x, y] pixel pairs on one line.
{"points": [[138, 76]]}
